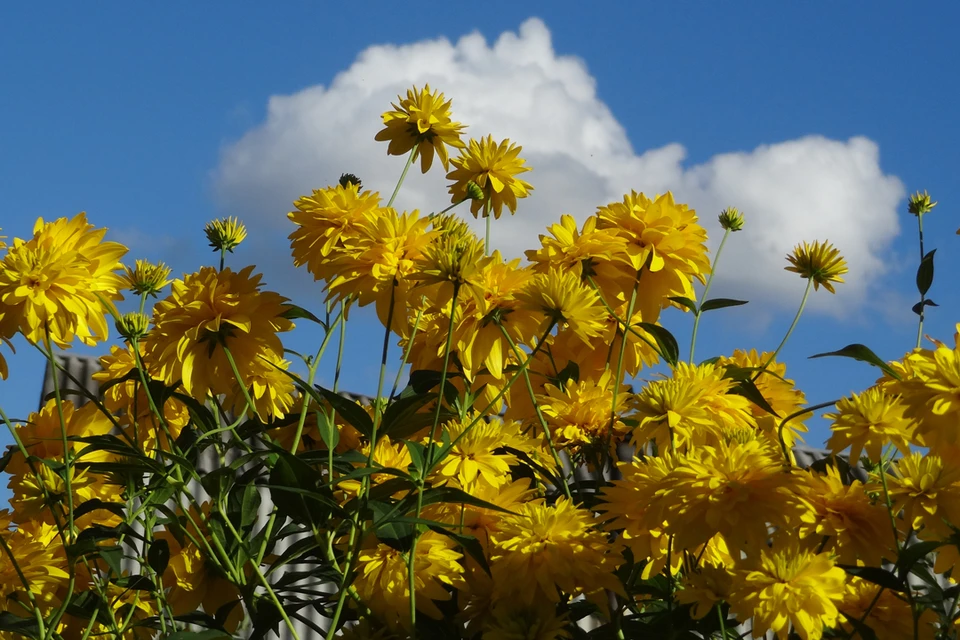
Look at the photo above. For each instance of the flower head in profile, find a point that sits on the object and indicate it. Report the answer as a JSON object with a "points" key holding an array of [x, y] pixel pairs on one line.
{"points": [[421, 120], [820, 262], [58, 281], [146, 278], [225, 234], [868, 421], [921, 203], [494, 168]]}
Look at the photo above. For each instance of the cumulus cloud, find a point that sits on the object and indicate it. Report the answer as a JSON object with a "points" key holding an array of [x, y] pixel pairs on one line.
{"points": [[518, 87]]}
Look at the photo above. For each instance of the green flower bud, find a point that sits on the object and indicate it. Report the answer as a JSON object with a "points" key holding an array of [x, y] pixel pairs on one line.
{"points": [[731, 219], [133, 326]]}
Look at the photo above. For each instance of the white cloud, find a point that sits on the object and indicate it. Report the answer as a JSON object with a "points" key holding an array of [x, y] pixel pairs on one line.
{"points": [[518, 87]]}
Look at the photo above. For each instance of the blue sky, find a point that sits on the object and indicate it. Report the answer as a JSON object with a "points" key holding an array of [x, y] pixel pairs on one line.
{"points": [[156, 119]]}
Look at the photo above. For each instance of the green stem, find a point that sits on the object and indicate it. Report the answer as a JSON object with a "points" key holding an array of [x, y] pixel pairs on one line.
{"points": [[623, 323], [720, 616], [793, 325], [406, 167], [923, 296], [452, 206], [406, 353], [428, 463], [796, 414], [703, 296], [486, 237]]}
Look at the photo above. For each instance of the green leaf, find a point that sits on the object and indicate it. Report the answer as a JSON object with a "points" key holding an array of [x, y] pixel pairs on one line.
{"points": [[721, 303], [299, 490], [876, 575], [417, 455], [113, 556], [685, 302], [24, 626], [328, 430], [863, 631], [913, 554], [423, 380], [403, 417], [469, 543], [863, 354], [571, 372], [918, 308], [398, 535], [217, 482], [452, 495], [251, 505], [749, 390], [97, 504], [294, 312], [350, 410], [665, 341], [925, 273]]}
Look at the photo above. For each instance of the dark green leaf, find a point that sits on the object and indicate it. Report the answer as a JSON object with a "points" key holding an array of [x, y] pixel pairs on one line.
{"points": [[97, 504], [452, 495], [294, 312], [350, 411], [918, 308], [685, 302], [251, 505], [217, 482], [398, 535], [749, 390], [417, 455], [403, 417], [876, 575], [423, 380], [721, 303], [24, 626], [328, 430], [925, 273], [571, 372], [469, 543], [113, 556], [299, 490], [665, 341], [206, 634], [863, 354], [913, 554], [863, 631]]}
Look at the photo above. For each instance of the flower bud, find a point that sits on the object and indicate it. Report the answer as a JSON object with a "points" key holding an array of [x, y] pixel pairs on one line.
{"points": [[920, 203], [731, 219], [225, 234], [133, 326], [147, 278], [475, 191], [348, 179]]}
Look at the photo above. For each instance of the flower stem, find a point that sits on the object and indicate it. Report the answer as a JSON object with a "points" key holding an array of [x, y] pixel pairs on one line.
{"points": [[703, 296], [793, 325], [923, 296], [406, 167]]}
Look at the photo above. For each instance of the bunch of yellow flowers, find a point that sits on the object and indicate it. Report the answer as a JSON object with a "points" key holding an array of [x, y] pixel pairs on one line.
{"points": [[518, 487]]}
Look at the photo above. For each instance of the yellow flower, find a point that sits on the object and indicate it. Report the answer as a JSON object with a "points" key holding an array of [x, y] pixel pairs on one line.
{"points": [[566, 301], [820, 262], [704, 588], [857, 529], [453, 259], [55, 282], [544, 550], [225, 234], [326, 221], [269, 387], [379, 264], [788, 587], [890, 618], [493, 167], [382, 579], [664, 239], [146, 278], [473, 459], [386, 455], [867, 422], [206, 312], [693, 408], [39, 559], [921, 203], [580, 414], [928, 491], [421, 120], [30, 494], [778, 390]]}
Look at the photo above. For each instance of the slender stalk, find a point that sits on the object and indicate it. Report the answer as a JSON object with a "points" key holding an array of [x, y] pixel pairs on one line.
{"points": [[486, 237], [623, 323], [793, 325], [421, 480], [67, 458], [406, 353], [706, 290], [923, 296], [452, 206], [406, 167], [720, 616], [796, 414]]}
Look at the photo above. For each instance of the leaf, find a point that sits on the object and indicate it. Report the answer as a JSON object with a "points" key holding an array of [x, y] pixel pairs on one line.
{"points": [[452, 495], [665, 340], [914, 554], [721, 303], [918, 308], [685, 302], [294, 312], [299, 491], [863, 354], [403, 413], [251, 505], [113, 556], [423, 380], [417, 455], [350, 410], [469, 543], [749, 390], [96, 504], [925, 273], [24, 626], [876, 575], [569, 373], [863, 631]]}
